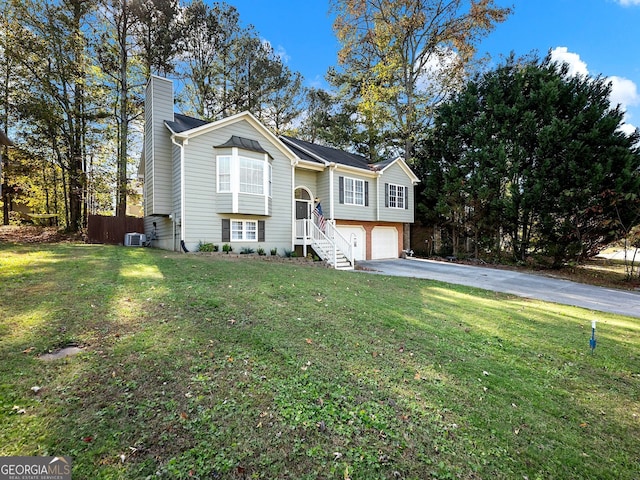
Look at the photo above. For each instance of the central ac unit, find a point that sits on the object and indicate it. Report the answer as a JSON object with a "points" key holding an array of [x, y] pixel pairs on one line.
{"points": [[134, 239]]}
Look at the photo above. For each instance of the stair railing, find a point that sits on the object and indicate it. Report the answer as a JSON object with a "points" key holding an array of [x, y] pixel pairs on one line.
{"points": [[332, 237]]}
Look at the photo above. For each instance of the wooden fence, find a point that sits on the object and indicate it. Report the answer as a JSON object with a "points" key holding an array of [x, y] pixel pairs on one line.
{"points": [[111, 230]]}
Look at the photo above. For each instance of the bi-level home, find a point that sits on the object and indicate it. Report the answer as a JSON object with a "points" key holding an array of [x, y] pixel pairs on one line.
{"points": [[234, 182]]}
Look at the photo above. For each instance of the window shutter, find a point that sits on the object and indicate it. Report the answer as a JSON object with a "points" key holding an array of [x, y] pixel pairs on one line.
{"points": [[226, 230], [386, 195], [261, 230], [366, 194], [341, 187], [406, 198]]}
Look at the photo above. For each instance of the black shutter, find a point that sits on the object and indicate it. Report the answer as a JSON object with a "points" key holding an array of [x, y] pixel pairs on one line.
{"points": [[261, 230], [226, 230], [386, 195], [366, 194], [341, 185], [406, 198]]}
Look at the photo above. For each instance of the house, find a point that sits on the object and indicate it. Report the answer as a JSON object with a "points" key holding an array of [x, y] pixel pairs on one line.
{"points": [[234, 182]]}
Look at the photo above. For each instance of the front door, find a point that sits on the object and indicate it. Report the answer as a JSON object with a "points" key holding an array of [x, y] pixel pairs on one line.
{"points": [[303, 211]]}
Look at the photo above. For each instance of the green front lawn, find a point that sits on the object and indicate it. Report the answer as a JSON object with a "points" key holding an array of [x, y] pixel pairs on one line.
{"points": [[200, 367]]}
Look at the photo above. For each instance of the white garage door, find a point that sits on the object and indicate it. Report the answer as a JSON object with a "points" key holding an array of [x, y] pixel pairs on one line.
{"points": [[384, 243], [355, 236]]}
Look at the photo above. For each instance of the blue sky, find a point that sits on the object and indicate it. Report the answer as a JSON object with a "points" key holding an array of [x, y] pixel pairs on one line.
{"points": [[599, 37]]}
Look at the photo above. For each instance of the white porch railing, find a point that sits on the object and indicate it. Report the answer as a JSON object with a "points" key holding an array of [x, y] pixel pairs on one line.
{"points": [[329, 243]]}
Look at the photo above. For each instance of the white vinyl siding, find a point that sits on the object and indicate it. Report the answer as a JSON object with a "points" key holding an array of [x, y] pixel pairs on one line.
{"points": [[205, 207], [157, 147], [403, 210]]}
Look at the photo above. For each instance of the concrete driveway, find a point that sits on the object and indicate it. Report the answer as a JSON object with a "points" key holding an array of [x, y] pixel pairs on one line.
{"points": [[516, 283]]}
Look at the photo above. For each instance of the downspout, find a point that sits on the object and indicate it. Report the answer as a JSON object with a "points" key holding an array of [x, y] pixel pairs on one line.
{"points": [[293, 205], [182, 192]]}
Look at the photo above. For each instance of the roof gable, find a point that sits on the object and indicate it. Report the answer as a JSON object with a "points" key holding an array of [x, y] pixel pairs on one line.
{"points": [[384, 165], [200, 127]]}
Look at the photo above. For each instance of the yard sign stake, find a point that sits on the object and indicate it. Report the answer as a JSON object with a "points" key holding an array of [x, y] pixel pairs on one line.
{"points": [[592, 341]]}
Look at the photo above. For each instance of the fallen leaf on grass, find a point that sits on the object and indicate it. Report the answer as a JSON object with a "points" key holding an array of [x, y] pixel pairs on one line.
{"points": [[28, 350], [36, 389], [87, 439]]}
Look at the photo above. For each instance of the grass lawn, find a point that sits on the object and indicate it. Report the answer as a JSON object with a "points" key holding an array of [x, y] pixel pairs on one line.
{"points": [[205, 368]]}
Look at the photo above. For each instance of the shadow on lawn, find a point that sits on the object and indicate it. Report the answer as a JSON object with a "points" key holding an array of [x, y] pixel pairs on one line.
{"points": [[222, 370]]}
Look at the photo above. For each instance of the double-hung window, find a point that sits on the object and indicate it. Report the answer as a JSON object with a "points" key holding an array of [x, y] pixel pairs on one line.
{"points": [[396, 196], [246, 230], [240, 230], [353, 191]]}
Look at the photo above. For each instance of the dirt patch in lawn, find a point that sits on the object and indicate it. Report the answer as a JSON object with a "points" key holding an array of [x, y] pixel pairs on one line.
{"points": [[35, 234]]}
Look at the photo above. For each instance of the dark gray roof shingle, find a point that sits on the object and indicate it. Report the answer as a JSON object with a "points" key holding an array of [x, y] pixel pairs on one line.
{"points": [[329, 154], [182, 123], [308, 151]]}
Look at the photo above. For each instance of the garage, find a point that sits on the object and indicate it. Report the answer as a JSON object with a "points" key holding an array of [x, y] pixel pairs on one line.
{"points": [[384, 243], [357, 237]]}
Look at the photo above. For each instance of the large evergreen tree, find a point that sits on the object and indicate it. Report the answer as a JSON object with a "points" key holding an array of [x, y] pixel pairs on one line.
{"points": [[530, 154]]}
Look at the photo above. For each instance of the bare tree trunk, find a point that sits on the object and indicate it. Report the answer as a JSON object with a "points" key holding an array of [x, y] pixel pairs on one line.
{"points": [[123, 120]]}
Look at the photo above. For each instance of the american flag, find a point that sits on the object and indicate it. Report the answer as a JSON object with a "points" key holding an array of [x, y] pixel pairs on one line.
{"points": [[320, 220]]}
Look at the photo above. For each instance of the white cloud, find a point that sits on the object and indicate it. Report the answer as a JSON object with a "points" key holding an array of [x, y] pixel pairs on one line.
{"points": [[628, 3], [624, 92], [627, 128], [576, 65]]}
